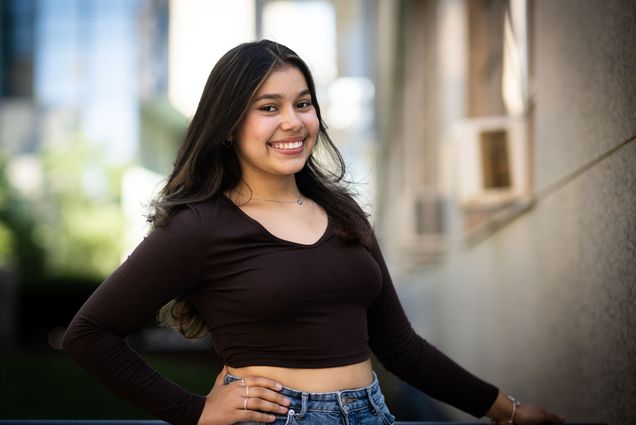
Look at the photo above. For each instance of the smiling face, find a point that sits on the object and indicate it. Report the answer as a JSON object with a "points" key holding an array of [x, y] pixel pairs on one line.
{"points": [[280, 127]]}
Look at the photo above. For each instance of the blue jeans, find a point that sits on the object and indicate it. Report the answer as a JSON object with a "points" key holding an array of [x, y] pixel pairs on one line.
{"points": [[362, 406]]}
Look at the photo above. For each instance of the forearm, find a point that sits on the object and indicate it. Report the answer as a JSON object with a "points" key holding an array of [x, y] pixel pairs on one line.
{"points": [[165, 265], [501, 409], [109, 360], [507, 410]]}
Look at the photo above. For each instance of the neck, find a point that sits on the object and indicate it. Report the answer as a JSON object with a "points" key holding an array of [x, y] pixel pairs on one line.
{"points": [[281, 189]]}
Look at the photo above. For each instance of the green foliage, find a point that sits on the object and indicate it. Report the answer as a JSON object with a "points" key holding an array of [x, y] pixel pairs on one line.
{"points": [[81, 222], [18, 247], [72, 225], [6, 244], [6, 235]]}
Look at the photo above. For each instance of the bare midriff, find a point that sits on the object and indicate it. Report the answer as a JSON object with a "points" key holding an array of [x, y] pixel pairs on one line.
{"points": [[321, 380]]}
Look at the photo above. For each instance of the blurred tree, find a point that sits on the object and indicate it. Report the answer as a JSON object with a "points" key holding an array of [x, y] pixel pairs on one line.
{"points": [[81, 223], [19, 249], [72, 225]]}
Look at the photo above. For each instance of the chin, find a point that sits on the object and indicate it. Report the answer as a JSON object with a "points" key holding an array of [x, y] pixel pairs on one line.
{"points": [[290, 170]]}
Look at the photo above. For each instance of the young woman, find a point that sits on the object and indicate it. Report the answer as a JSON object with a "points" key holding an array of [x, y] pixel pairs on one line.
{"points": [[255, 240]]}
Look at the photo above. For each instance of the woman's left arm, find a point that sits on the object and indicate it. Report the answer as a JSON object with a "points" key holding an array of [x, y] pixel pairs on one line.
{"points": [[407, 355], [413, 359], [506, 409]]}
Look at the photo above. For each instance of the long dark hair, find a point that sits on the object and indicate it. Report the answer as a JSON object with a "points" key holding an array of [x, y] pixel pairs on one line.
{"points": [[205, 166]]}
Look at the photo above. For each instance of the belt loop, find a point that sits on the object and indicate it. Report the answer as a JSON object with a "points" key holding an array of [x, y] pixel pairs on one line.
{"points": [[303, 409], [376, 410], [343, 410]]}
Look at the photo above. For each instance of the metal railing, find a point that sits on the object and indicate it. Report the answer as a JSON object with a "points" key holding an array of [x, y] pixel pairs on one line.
{"points": [[157, 422]]}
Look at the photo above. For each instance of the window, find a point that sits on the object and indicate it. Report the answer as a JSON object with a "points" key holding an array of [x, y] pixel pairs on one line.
{"points": [[494, 157]]}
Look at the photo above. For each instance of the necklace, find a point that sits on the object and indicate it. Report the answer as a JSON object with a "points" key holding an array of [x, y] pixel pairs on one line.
{"points": [[298, 201]]}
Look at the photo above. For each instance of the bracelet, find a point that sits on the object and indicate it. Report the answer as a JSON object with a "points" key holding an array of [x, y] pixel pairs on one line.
{"points": [[510, 421], [515, 403]]}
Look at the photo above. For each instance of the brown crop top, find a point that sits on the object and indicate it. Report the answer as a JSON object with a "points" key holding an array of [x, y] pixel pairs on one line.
{"points": [[267, 302]]}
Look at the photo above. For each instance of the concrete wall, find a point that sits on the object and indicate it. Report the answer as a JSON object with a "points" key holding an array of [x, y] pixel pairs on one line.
{"points": [[545, 307]]}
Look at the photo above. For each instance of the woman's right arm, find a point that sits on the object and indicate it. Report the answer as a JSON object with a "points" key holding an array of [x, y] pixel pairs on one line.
{"points": [[166, 264], [230, 404]]}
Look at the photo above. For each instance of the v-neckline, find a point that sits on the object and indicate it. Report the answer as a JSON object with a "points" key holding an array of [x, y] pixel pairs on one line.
{"points": [[269, 234]]}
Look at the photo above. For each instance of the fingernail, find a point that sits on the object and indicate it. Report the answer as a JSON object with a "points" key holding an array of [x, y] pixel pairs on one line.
{"points": [[287, 401], [279, 386], [272, 418]]}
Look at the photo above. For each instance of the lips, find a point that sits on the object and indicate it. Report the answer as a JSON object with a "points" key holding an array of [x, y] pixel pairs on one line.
{"points": [[289, 144]]}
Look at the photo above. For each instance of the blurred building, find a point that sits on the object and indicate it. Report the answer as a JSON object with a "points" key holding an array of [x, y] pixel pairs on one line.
{"points": [[69, 87], [16, 107], [86, 68], [506, 194]]}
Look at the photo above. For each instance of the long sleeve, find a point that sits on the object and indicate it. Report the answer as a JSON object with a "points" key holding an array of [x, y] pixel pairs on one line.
{"points": [[407, 355], [166, 264]]}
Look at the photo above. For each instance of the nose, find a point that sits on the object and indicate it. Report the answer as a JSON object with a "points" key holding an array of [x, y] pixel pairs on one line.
{"points": [[291, 120]]}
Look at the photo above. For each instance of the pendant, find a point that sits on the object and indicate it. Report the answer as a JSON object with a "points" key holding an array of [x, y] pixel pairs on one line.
{"points": [[299, 201]]}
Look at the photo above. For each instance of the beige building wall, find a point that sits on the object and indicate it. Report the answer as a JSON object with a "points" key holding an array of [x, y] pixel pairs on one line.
{"points": [[543, 304]]}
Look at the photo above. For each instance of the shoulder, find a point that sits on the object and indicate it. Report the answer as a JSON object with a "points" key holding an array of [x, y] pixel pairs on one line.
{"points": [[210, 218], [211, 213], [213, 222], [181, 229], [195, 215]]}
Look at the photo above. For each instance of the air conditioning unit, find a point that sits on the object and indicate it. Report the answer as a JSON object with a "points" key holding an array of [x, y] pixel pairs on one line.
{"points": [[421, 227], [493, 162]]}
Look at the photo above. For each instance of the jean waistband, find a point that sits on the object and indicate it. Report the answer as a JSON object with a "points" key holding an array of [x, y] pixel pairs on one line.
{"points": [[343, 400]]}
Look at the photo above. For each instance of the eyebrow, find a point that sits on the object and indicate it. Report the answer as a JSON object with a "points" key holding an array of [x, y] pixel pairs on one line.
{"points": [[277, 96]]}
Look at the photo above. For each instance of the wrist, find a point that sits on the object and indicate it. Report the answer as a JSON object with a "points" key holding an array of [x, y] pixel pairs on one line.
{"points": [[503, 410]]}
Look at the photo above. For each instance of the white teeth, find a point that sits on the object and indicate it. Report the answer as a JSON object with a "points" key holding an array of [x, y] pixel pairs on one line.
{"points": [[285, 146]]}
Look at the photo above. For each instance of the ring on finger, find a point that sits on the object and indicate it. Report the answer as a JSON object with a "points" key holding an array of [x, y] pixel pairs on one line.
{"points": [[247, 392], [245, 399], [242, 382]]}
